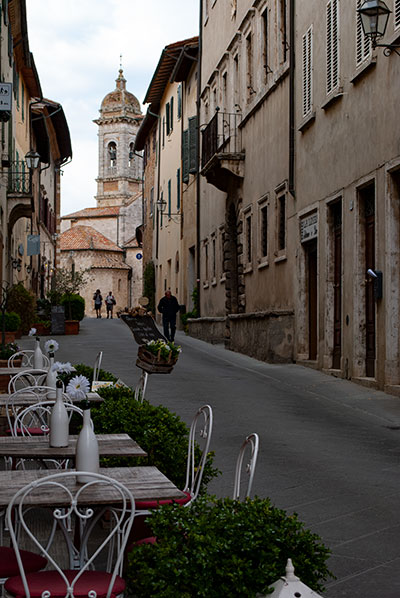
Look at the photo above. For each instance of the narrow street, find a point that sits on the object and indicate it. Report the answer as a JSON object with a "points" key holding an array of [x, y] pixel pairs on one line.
{"points": [[329, 449]]}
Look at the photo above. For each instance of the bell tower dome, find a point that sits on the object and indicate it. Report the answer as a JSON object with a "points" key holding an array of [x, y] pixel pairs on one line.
{"points": [[120, 170]]}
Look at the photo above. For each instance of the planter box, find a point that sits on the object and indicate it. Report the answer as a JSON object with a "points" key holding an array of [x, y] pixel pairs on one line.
{"points": [[41, 329], [71, 326], [152, 364], [10, 336]]}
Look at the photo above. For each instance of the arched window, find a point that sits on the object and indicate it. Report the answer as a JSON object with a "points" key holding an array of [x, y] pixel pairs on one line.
{"points": [[112, 154], [131, 155]]}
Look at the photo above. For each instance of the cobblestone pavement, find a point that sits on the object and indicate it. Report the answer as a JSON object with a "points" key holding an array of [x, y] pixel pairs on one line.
{"points": [[329, 448]]}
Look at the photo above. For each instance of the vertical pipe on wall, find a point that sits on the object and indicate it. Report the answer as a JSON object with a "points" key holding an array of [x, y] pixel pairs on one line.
{"points": [[292, 97], [198, 156]]}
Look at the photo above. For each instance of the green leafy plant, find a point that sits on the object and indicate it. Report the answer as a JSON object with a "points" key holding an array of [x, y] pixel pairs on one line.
{"points": [[85, 370], [12, 321], [43, 308], [149, 285], [21, 301], [74, 305], [221, 547], [161, 433], [166, 350], [67, 284], [7, 350]]}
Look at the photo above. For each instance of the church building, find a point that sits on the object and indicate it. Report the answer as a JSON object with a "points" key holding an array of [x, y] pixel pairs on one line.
{"points": [[107, 239]]}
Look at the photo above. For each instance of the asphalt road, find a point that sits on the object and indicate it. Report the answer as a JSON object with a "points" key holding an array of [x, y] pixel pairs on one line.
{"points": [[329, 449]]}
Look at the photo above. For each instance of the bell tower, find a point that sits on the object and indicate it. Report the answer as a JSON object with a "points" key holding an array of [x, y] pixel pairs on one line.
{"points": [[120, 170]]}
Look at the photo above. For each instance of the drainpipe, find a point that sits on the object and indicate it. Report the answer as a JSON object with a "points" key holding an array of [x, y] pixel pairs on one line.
{"points": [[292, 190], [198, 156]]}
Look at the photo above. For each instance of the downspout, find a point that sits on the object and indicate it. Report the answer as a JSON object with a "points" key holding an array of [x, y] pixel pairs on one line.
{"points": [[198, 157], [292, 40]]}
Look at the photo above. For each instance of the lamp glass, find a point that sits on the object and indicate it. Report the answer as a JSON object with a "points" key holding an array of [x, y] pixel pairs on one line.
{"points": [[161, 205], [32, 159], [374, 16]]}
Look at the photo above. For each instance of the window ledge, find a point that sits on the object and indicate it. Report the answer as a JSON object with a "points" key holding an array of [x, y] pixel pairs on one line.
{"points": [[247, 269], [214, 282], [280, 258], [333, 98], [262, 265], [205, 285], [363, 69], [307, 122], [222, 279]]}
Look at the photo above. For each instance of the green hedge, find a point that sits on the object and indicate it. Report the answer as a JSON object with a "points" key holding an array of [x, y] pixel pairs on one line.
{"points": [[76, 304], [12, 321], [221, 547], [23, 303]]}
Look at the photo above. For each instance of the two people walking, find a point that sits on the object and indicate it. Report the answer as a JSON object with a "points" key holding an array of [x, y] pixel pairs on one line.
{"points": [[98, 302]]}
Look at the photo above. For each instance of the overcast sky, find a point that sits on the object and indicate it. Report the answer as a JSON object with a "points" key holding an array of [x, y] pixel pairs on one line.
{"points": [[77, 45]]}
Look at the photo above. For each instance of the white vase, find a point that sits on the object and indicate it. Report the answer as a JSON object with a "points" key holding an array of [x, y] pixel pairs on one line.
{"points": [[87, 449], [59, 422], [38, 356], [51, 380]]}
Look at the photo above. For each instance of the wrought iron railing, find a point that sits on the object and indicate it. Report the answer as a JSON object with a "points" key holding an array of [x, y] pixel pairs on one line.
{"points": [[19, 178], [221, 135]]}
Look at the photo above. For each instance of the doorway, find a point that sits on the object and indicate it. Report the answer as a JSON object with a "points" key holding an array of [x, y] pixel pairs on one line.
{"points": [[368, 203], [312, 291], [336, 211]]}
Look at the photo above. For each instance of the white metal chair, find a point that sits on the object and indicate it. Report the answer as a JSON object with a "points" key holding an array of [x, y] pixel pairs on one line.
{"points": [[251, 444], [141, 386], [27, 359], [97, 365], [27, 378], [70, 499]]}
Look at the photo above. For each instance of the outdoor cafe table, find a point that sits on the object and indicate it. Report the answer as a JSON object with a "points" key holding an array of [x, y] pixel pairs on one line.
{"points": [[24, 400], [145, 483], [32, 447]]}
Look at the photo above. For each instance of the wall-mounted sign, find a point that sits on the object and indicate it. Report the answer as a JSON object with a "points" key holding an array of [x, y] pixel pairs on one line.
{"points": [[33, 245], [139, 256], [5, 96], [309, 227]]}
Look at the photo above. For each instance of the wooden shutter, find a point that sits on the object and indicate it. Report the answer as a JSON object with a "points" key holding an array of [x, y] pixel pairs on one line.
{"points": [[396, 14], [171, 114], [332, 45], [307, 71], [185, 156], [193, 144], [169, 198], [363, 44], [167, 118], [178, 189], [179, 100]]}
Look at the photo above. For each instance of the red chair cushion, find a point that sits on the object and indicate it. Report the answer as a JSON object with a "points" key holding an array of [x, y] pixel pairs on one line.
{"points": [[153, 504], [54, 583], [31, 431], [9, 566]]}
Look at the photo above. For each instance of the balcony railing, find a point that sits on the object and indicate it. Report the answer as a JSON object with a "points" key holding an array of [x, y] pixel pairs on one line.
{"points": [[221, 135], [19, 179]]}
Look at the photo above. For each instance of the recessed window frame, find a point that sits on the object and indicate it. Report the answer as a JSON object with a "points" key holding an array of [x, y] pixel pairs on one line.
{"points": [[263, 220]]}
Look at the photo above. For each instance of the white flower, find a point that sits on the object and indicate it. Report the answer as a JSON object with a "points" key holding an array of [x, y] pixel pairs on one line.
{"points": [[51, 346], [78, 387], [62, 368], [32, 332]]}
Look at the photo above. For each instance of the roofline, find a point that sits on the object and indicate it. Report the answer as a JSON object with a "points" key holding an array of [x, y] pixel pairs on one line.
{"points": [[150, 118]]}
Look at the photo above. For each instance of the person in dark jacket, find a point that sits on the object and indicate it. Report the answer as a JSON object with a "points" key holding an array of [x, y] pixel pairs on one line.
{"points": [[169, 307]]}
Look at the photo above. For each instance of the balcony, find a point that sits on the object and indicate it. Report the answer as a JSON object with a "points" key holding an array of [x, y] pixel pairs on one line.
{"points": [[19, 192], [222, 157]]}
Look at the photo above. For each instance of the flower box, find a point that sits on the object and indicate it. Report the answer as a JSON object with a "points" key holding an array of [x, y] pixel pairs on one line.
{"points": [[41, 329], [154, 364], [71, 326]]}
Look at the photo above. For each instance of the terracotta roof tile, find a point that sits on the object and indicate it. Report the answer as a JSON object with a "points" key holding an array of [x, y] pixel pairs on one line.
{"points": [[94, 212], [109, 261], [86, 237]]}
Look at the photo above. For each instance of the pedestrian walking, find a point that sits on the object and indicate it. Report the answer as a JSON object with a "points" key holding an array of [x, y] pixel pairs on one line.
{"points": [[98, 301], [169, 307], [110, 302]]}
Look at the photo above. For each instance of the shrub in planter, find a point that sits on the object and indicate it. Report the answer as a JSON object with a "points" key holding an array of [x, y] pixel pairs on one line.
{"points": [[23, 303], [12, 321], [74, 306], [221, 547], [161, 433], [8, 350]]}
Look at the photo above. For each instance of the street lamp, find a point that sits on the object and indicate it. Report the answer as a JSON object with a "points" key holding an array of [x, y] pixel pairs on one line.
{"points": [[374, 15], [32, 159], [161, 205]]}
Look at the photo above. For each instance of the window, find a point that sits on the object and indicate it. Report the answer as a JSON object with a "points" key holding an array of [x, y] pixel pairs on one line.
{"points": [[249, 66], [225, 91], [151, 201], [264, 231], [171, 114], [206, 263], [236, 81], [23, 101], [281, 222], [193, 144], [396, 14], [169, 198], [161, 213], [265, 65], [112, 154], [167, 119], [307, 72], [214, 257], [179, 100], [363, 44], [185, 156], [131, 153], [283, 29], [248, 238], [178, 189], [163, 131], [332, 45]]}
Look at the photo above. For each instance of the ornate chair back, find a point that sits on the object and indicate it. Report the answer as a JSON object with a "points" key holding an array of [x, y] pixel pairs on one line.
{"points": [[27, 359], [249, 446], [26, 379], [97, 365], [200, 432], [71, 501], [25, 397]]}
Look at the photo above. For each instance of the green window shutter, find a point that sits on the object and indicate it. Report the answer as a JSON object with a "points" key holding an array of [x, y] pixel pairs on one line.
{"points": [[178, 189], [161, 213], [185, 156], [163, 131], [171, 114], [193, 144], [169, 198], [167, 118], [23, 101], [179, 100]]}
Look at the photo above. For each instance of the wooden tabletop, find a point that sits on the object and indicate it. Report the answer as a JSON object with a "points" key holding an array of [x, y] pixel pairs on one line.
{"points": [[145, 483], [14, 370], [110, 445], [24, 400]]}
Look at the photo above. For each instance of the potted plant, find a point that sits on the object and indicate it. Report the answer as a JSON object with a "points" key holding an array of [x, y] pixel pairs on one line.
{"points": [[158, 356], [66, 287], [12, 323]]}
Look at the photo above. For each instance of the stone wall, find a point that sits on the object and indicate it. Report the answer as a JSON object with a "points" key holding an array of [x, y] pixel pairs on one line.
{"points": [[267, 335]]}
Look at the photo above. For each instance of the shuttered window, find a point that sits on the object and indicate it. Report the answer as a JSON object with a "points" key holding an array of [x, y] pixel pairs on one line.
{"points": [[179, 100], [185, 156], [363, 44], [332, 45], [193, 144], [307, 71], [171, 114], [169, 198], [178, 189], [167, 119], [397, 14]]}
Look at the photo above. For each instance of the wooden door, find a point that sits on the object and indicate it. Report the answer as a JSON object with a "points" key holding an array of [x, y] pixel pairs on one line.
{"points": [[370, 338], [337, 285], [312, 300]]}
